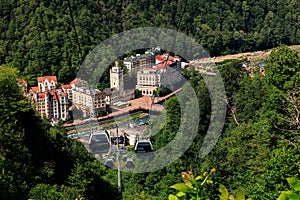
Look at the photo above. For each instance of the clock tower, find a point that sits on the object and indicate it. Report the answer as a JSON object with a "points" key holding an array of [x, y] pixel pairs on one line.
{"points": [[116, 77]]}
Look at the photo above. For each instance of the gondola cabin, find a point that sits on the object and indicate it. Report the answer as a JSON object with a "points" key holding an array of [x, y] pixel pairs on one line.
{"points": [[109, 163], [130, 163], [143, 146], [99, 142]]}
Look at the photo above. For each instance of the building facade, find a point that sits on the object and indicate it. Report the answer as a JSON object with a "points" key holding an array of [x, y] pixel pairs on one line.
{"points": [[152, 70], [50, 101], [139, 61], [68, 89], [116, 77], [89, 101], [118, 93], [47, 83], [164, 74]]}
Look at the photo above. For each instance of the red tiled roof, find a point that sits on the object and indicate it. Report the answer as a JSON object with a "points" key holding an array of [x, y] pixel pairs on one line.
{"points": [[166, 57], [159, 58], [41, 95], [75, 81], [66, 86], [34, 89], [49, 78], [53, 94], [63, 94], [59, 93], [247, 68], [163, 65], [22, 81]]}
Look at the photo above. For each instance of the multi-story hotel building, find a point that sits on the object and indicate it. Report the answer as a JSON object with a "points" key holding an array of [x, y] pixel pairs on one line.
{"points": [[47, 83], [89, 101], [164, 74], [139, 61], [68, 89], [50, 101], [152, 70]]}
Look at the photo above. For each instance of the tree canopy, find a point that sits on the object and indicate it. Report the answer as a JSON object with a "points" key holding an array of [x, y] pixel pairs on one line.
{"points": [[53, 37], [258, 148], [38, 161]]}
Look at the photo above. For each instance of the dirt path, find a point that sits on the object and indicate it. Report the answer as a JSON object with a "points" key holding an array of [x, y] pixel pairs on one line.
{"points": [[250, 55]]}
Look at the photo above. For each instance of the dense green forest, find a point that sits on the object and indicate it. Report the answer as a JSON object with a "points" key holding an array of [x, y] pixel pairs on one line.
{"points": [[38, 161], [260, 144], [52, 37], [258, 150]]}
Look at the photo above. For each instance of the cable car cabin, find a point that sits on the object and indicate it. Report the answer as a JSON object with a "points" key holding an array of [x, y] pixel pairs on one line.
{"points": [[130, 163], [109, 163], [144, 149], [99, 143], [143, 146]]}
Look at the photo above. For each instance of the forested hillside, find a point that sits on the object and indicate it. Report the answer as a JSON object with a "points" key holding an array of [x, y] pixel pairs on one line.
{"points": [[42, 37], [260, 145], [39, 162]]}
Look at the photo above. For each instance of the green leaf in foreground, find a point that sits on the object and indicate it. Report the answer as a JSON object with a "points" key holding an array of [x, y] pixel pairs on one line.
{"points": [[224, 192], [294, 183], [172, 197], [181, 187]]}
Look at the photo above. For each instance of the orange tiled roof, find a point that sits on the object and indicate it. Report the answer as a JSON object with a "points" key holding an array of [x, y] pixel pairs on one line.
{"points": [[75, 81], [162, 65], [62, 94], [22, 81], [41, 95], [34, 89], [53, 95], [159, 58], [49, 78], [66, 86]]}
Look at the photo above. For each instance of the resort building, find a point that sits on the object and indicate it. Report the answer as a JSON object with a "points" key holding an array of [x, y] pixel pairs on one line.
{"points": [[118, 93], [50, 101], [90, 101], [139, 61], [164, 74]]}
